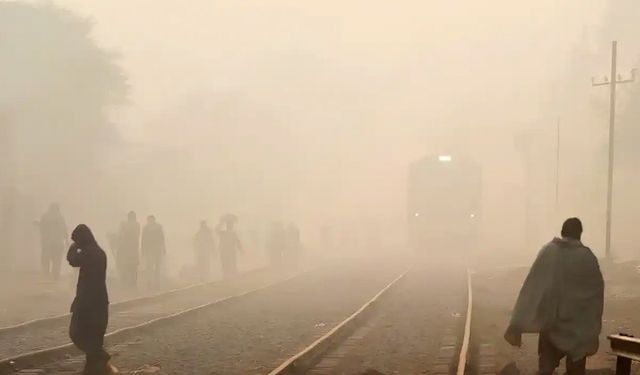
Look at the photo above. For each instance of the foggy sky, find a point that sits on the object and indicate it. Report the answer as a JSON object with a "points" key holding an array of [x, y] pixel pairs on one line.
{"points": [[444, 51], [322, 104]]}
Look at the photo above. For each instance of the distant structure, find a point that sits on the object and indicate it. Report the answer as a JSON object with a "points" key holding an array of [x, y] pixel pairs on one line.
{"points": [[444, 202]]}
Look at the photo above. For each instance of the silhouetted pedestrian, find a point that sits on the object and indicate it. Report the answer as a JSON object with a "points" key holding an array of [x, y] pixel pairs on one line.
{"points": [[153, 248], [562, 300], [53, 237], [204, 247], [90, 307], [128, 250], [229, 245]]}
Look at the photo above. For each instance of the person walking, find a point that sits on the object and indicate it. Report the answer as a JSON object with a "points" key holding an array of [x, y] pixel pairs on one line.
{"points": [[562, 300], [90, 307], [153, 248], [229, 245]]}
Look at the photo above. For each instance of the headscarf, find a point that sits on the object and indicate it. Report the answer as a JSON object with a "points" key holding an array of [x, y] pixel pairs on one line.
{"points": [[82, 236]]}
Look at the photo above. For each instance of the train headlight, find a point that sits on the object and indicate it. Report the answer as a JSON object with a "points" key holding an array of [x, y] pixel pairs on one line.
{"points": [[417, 214], [472, 216], [444, 158]]}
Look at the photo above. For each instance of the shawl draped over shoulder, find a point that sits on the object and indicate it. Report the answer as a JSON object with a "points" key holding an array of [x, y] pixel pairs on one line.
{"points": [[563, 297]]}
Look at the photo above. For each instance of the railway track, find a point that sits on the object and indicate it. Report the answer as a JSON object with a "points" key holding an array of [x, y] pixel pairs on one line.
{"points": [[252, 335], [120, 305], [337, 351], [157, 337], [45, 340]]}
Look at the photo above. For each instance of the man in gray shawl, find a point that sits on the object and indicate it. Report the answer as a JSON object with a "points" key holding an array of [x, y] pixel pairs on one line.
{"points": [[561, 300]]}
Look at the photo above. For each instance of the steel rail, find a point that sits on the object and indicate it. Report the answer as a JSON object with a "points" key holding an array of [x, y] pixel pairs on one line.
{"points": [[464, 347], [301, 361], [122, 304], [306, 359]]}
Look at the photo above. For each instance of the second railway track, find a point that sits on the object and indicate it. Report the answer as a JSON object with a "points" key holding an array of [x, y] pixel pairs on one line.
{"points": [[418, 323]]}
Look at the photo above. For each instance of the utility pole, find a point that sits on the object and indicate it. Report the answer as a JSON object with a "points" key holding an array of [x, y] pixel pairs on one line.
{"points": [[557, 163], [615, 80]]}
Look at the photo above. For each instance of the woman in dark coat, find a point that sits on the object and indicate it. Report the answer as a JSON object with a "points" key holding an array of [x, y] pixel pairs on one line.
{"points": [[90, 307]]}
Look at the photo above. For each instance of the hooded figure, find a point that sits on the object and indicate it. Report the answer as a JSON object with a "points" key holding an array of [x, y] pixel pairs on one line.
{"points": [[562, 300], [90, 307]]}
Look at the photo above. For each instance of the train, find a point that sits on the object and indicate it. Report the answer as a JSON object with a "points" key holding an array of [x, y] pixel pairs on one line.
{"points": [[444, 203]]}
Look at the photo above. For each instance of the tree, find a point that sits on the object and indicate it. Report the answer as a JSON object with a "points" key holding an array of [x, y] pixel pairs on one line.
{"points": [[57, 87]]}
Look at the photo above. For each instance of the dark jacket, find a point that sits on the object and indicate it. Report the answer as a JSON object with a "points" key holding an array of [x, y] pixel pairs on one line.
{"points": [[85, 253]]}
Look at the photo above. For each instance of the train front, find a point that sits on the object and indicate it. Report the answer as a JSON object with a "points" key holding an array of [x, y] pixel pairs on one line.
{"points": [[444, 204]]}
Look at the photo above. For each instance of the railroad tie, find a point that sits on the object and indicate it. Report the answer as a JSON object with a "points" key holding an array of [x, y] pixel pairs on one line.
{"points": [[446, 354], [486, 360]]}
